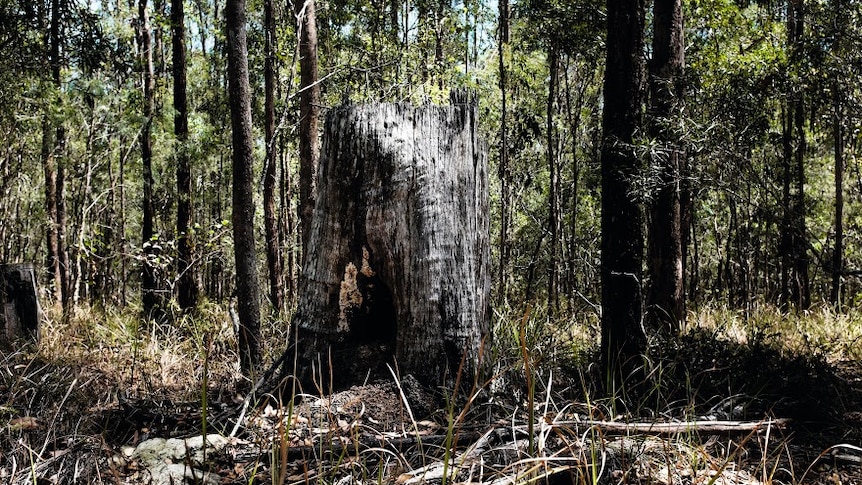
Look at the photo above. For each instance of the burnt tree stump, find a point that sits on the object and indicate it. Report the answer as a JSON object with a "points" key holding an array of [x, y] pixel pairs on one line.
{"points": [[20, 307], [398, 257]]}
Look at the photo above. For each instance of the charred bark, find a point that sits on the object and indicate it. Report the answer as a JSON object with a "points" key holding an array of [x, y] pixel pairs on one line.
{"points": [[19, 307], [623, 338], [503, 168], [398, 268]]}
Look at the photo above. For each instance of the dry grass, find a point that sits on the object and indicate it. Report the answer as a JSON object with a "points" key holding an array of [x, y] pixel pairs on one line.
{"points": [[821, 331], [100, 381]]}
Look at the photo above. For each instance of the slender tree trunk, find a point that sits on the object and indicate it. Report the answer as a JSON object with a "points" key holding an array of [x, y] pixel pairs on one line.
{"points": [[666, 301], [503, 168], [288, 232], [186, 285], [270, 177], [554, 189], [309, 101], [801, 285], [239, 94], [62, 218], [798, 291], [49, 167], [149, 292], [52, 151], [623, 338], [105, 255], [439, 33], [786, 230], [82, 273], [835, 295], [121, 178]]}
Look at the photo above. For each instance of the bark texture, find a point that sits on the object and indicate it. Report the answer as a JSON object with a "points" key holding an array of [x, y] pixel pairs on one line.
{"points": [[666, 301], [795, 284], [835, 295], [623, 338], [149, 291], [309, 102], [270, 175], [398, 268], [19, 307], [53, 149], [245, 257], [187, 290]]}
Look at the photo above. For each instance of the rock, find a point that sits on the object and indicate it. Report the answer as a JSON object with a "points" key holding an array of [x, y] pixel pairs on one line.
{"points": [[172, 461]]}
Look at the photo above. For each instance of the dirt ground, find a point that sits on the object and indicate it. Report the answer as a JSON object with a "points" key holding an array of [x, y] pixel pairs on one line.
{"points": [[68, 422]]}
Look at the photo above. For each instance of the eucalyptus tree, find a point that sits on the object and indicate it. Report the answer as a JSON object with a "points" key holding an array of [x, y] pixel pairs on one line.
{"points": [[186, 283], [666, 297], [53, 149], [245, 256], [270, 175], [562, 37], [795, 287], [503, 11], [623, 339], [309, 102], [149, 291]]}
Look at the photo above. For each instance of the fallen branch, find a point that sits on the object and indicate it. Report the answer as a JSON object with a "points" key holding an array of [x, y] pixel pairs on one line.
{"points": [[336, 447], [715, 427]]}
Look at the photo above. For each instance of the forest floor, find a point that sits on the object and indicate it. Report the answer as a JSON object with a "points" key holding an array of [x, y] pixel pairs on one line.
{"points": [[738, 399]]}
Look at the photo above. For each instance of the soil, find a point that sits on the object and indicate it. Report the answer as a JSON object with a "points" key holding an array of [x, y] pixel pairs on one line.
{"points": [[65, 423]]}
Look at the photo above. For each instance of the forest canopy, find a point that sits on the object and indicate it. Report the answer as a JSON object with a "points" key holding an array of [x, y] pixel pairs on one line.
{"points": [[767, 132]]}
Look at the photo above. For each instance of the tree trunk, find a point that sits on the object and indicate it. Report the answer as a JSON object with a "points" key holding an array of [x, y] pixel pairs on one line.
{"points": [[286, 221], [801, 292], [309, 101], [270, 177], [554, 215], [187, 290], [666, 303], [239, 96], [19, 305], [62, 218], [623, 339], [49, 167], [503, 169], [149, 292], [795, 279], [835, 296], [399, 272], [53, 146], [786, 228]]}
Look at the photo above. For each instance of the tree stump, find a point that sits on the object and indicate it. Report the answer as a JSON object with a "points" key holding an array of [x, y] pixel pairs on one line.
{"points": [[20, 307], [398, 257]]}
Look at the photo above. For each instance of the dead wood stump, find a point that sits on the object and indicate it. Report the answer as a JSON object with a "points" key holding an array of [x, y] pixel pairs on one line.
{"points": [[19, 303], [398, 257]]}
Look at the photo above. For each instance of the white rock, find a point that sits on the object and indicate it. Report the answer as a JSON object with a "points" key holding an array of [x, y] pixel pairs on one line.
{"points": [[171, 461]]}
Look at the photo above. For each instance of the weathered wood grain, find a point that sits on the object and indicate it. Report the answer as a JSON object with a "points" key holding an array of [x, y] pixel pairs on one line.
{"points": [[398, 264]]}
